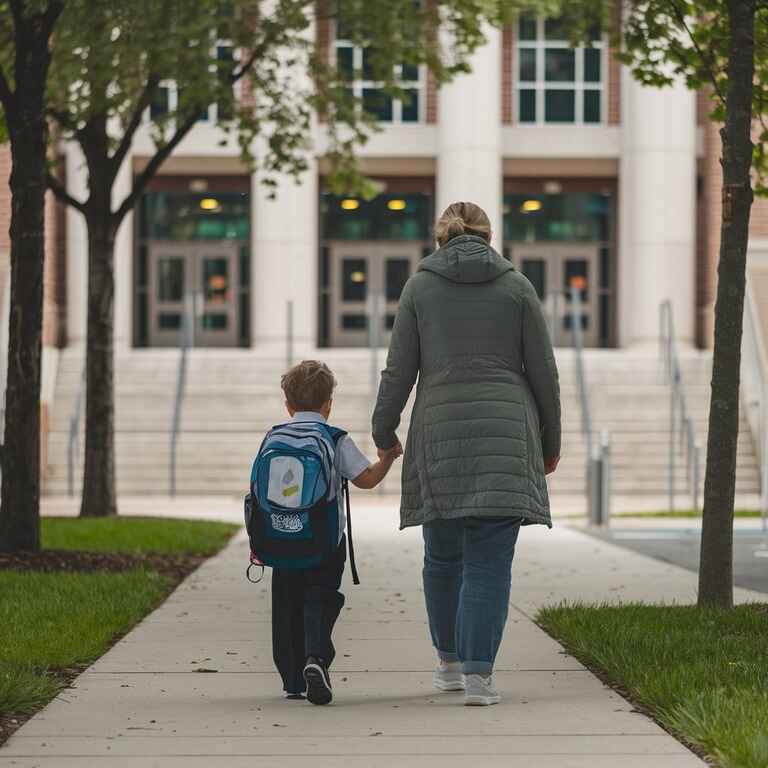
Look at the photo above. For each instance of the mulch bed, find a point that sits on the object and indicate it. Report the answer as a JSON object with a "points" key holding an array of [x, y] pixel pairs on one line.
{"points": [[71, 561], [175, 567]]}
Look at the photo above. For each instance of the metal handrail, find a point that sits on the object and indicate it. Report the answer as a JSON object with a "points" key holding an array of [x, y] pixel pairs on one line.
{"points": [[753, 338], [186, 340], [598, 469], [679, 413], [73, 440], [578, 346]]}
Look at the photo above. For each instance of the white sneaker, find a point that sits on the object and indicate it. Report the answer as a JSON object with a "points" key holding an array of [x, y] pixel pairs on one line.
{"points": [[480, 691], [448, 677]]}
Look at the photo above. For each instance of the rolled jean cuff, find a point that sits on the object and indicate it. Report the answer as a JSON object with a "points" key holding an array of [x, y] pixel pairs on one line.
{"points": [[483, 668], [447, 656]]}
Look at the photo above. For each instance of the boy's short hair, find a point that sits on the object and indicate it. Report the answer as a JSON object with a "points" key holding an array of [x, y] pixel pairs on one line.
{"points": [[308, 386]]}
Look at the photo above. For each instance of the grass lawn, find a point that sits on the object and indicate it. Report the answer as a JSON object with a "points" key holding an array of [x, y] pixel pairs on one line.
{"points": [[53, 622], [135, 535], [703, 674], [684, 513]]}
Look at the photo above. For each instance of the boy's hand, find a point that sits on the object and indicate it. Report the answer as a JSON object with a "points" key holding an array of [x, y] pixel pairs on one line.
{"points": [[390, 454]]}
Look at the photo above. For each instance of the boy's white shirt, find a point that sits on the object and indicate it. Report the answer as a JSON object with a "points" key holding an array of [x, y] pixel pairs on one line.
{"points": [[351, 462]]}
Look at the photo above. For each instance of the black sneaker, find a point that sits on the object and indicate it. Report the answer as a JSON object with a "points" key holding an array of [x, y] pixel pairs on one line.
{"points": [[318, 682]]}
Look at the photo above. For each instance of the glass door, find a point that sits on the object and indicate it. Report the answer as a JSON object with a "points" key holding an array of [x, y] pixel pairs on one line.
{"points": [[362, 272], [168, 285], [216, 315], [554, 270], [203, 275]]}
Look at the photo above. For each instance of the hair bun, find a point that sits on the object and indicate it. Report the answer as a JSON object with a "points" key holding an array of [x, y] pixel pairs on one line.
{"points": [[455, 226]]}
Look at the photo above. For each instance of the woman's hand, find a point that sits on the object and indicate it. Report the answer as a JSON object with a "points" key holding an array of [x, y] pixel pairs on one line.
{"points": [[387, 453], [550, 465]]}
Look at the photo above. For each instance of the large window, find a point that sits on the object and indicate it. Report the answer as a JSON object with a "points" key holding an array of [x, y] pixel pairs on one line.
{"points": [[169, 97], [556, 83], [356, 64]]}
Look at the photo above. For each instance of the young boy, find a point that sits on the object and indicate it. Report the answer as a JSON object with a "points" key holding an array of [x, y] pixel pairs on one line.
{"points": [[306, 602]]}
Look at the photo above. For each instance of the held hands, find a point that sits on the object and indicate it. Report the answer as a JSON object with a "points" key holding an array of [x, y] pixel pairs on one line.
{"points": [[550, 465], [390, 454]]}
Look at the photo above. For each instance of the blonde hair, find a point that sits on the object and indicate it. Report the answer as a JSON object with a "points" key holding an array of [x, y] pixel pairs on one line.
{"points": [[462, 219], [308, 386]]}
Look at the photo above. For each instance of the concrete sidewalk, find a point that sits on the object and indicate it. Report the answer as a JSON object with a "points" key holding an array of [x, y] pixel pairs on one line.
{"points": [[155, 700]]}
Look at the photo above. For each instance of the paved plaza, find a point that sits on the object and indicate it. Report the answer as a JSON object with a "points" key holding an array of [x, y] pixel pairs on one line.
{"points": [[193, 685]]}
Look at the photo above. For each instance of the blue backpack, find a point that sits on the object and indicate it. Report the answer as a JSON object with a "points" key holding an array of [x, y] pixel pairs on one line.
{"points": [[292, 513]]}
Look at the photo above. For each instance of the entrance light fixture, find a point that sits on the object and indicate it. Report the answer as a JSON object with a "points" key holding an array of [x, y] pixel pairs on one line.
{"points": [[210, 204], [397, 205], [531, 206], [350, 204], [357, 277]]}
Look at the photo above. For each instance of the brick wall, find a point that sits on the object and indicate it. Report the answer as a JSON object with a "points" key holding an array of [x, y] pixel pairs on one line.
{"points": [[758, 226], [507, 75], [709, 235], [54, 289], [708, 251], [614, 76]]}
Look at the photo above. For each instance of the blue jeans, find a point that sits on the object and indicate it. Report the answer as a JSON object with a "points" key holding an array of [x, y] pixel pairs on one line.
{"points": [[467, 576]]}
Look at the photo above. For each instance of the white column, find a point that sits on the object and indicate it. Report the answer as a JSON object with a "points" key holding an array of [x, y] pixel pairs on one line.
{"points": [[284, 258], [77, 248], [123, 261], [469, 165], [657, 192]]}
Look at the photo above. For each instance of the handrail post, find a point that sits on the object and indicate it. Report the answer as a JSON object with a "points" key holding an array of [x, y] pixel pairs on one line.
{"points": [[188, 319], [374, 338], [289, 335], [605, 472], [74, 430]]}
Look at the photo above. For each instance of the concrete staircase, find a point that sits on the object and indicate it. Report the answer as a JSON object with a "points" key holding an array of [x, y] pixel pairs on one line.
{"points": [[233, 396]]}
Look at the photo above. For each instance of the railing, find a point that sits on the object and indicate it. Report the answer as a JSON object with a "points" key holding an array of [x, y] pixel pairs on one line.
{"points": [[186, 340], [73, 441], [682, 431], [755, 388], [598, 470]]}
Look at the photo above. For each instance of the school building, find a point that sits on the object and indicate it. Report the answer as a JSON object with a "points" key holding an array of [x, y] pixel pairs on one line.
{"points": [[588, 177]]}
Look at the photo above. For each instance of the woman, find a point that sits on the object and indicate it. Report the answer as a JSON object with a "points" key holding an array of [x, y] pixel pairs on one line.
{"points": [[484, 432]]}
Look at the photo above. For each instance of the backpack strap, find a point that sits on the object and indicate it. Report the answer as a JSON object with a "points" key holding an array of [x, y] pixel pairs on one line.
{"points": [[338, 435]]}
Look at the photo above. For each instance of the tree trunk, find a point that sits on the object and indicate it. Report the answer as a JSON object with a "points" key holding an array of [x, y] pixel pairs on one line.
{"points": [[20, 499], [716, 564], [99, 496]]}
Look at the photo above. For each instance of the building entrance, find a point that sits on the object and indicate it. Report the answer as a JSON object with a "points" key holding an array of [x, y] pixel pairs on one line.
{"points": [[554, 269], [203, 273], [364, 277]]}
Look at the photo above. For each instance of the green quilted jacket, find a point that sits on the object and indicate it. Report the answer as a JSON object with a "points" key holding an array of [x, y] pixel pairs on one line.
{"points": [[487, 407]]}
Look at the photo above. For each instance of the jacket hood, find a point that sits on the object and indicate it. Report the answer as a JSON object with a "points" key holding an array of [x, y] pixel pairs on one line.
{"points": [[466, 259]]}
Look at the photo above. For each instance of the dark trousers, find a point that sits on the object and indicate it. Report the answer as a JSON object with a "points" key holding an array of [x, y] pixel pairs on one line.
{"points": [[305, 606]]}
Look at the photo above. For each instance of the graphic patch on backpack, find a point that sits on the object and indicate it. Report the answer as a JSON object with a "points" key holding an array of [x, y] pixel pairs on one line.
{"points": [[287, 523], [286, 481]]}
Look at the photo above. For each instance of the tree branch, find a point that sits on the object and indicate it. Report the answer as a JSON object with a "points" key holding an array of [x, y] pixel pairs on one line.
{"points": [[238, 73], [61, 193], [162, 154], [7, 97], [708, 59], [51, 15], [133, 124], [64, 119], [18, 13]]}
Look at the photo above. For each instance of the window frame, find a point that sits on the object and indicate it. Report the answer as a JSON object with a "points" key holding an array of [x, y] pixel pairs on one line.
{"points": [[358, 85], [211, 115], [540, 85]]}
